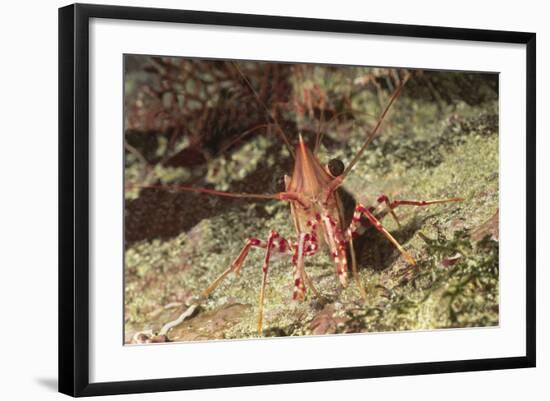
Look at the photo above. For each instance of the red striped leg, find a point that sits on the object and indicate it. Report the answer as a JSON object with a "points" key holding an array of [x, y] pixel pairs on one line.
{"points": [[277, 244], [307, 245], [385, 199], [299, 273], [236, 265], [353, 230], [337, 245], [359, 210], [356, 224], [350, 235], [311, 247], [395, 203]]}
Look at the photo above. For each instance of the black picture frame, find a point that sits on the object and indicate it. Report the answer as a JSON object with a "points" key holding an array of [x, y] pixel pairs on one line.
{"points": [[74, 194]]}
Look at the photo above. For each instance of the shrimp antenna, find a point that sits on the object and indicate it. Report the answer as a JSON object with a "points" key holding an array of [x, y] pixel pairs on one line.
{"points": [[280, 196], [183, 188], [270, 115], [375, 131]]}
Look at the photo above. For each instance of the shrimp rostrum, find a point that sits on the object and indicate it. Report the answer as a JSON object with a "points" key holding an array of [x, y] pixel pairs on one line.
{"points": [[318, 216]]}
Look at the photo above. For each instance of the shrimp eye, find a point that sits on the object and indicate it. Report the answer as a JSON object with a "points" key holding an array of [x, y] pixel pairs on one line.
{"points": [[336, 167]]}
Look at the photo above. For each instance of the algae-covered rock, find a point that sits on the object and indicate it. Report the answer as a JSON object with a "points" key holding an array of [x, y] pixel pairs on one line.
{"points": [[430, 147]]}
